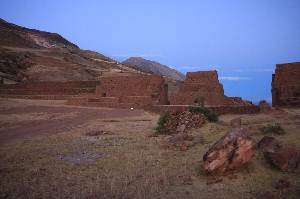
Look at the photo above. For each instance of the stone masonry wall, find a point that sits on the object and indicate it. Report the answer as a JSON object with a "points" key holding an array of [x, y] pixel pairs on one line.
{"points": [[200, 84], [286, 85], [126, 92], [47, 90]]}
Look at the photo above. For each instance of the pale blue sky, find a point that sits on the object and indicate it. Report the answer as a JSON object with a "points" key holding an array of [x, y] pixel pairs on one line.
{"points": [[242, 40]]}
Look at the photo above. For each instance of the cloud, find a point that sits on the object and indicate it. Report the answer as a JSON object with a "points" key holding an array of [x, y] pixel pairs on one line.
{"points": [[234, 78], [190, 67], [140, 55], [256, 70], [214, 67]]}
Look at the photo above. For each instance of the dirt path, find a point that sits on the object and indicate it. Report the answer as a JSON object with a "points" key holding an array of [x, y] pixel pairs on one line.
{"points": [[23, 119]]}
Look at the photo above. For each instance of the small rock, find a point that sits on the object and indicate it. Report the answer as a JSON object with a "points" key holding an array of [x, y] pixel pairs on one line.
{"points": [[181, 136], [236, 122], [181, 128], [189, 138], [283, 183], [268, 195], [269, 142], [183, 147]]}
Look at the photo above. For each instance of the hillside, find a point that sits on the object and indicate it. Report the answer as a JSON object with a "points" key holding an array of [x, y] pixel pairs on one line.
{"points": [[33, 55], [155, 67]]}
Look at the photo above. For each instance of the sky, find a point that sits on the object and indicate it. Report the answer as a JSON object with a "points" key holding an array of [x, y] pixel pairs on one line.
{"points": [[242, 40]]}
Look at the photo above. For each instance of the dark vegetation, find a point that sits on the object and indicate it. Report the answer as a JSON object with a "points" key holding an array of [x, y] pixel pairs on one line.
{"points": [[210, 115], [161, 122], [276, 129]]}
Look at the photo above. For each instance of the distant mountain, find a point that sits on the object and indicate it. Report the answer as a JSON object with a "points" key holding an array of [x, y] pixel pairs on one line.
{"points": [[155, 67]]}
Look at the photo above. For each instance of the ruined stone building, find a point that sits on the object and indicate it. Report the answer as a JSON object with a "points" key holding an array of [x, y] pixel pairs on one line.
{"points": [[126, 92], [200, 84], [286, 85]]}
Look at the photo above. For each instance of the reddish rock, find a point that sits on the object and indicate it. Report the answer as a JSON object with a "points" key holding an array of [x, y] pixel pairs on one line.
{"points": [[190, 138], [283, 183], [188, 143], [236, 122], [286, 159], [268, 195], [269, 142], [181, 136], [183, 147], [181, 128], [232, 151]]}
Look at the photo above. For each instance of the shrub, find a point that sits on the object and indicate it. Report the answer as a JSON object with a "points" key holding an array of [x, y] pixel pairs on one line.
{"points": [[200, 100], [161, 122], [276, 129], [210, 115]]}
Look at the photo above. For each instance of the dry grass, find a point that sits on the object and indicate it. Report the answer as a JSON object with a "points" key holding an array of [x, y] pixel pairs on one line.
{"points": [[132, 165]]}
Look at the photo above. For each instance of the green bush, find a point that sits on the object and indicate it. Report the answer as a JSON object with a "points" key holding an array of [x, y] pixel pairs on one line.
{"points": [[211, 116], [276, 129], [161, 122], [200, 101]]}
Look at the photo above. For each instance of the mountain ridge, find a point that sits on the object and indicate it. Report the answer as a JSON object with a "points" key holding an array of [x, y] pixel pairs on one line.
{"points": [[34, 55], [155, 67]]}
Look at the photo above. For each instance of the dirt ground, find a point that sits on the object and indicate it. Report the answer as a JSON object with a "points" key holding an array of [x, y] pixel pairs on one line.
{"points": [[50, 150], [25, 119]]}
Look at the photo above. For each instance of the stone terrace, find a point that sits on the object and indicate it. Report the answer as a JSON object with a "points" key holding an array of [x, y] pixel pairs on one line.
{"points": [[125, 92], [286, 85], [47, 90]]}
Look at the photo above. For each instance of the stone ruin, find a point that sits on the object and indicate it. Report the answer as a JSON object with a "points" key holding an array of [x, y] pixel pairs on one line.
{"points": [[47, 90], [125, 92], [200, 84], [143, 92], [204, 84], [286, 85]]}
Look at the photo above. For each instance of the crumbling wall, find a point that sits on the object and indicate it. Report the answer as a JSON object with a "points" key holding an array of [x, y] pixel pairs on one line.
{"points": [[200, 84], [286, 85], [126, 92]]}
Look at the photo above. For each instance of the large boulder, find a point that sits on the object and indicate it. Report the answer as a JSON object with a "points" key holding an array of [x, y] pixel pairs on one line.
{"points": [[232, 151], [286, 159]]}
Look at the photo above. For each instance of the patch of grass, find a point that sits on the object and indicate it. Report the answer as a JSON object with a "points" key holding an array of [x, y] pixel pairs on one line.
{"points": [[210, 115], [276, 129], [161, 122]]}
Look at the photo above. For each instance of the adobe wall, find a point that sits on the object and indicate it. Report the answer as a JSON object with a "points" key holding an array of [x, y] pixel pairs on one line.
{"points": [[286, 85], [127, 92], [47, 90], [200, 84]]}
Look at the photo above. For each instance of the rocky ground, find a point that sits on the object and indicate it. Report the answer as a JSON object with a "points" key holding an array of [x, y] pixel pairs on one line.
{"points": [[50, 150]]}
